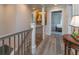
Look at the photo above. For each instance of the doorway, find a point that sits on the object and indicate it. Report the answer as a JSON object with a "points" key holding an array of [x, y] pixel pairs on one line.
{"points": [[56, 21]]}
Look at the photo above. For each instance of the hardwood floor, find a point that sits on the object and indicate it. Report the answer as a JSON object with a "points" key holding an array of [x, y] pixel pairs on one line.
{"points": [[39, 34], [51, 46]]}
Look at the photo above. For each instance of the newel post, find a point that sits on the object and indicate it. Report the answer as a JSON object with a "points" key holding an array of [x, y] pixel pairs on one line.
{"points": [[43, 20], [33, 26]]}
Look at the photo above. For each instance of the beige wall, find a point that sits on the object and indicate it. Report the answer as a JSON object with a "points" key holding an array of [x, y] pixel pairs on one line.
{"points": [[9, 18], [75, 9], [14, 18], [69, 17], [23, 17], [1, 19]]}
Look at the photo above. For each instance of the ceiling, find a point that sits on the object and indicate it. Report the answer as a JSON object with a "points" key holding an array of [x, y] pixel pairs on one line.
{"points": [[39, 6]]}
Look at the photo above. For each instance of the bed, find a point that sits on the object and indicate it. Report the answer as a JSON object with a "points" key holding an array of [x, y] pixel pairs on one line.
{"points": [[58, 28]]}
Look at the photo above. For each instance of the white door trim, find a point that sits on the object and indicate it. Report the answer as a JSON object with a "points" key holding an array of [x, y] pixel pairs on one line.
{"points": [[59, 9]]}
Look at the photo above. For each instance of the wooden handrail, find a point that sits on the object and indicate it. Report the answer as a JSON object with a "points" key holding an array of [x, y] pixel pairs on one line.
{"points": [[11, 34]]}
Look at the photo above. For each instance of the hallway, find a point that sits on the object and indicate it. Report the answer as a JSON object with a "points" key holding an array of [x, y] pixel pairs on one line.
{"points": [[52, 45], [20, 28]]}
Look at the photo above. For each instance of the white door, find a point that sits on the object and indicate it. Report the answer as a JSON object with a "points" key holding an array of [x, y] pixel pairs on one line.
{"points": [[55, 19]]}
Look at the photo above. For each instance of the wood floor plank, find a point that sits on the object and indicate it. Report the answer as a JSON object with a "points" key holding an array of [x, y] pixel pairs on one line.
{"points": [[52, 45]]}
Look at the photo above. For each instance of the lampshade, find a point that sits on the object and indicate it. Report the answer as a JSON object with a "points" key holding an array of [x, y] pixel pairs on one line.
{"points": [[75, 21]]}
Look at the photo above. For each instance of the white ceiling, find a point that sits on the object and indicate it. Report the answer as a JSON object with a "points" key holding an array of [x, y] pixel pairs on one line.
{"points": [[39, 6]]}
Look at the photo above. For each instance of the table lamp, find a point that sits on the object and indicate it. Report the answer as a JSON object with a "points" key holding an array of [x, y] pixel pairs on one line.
{"points": [[75, 24]]}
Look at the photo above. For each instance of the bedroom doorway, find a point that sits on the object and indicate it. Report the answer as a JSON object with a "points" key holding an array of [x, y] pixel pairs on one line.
{"points": [[56, 21]]}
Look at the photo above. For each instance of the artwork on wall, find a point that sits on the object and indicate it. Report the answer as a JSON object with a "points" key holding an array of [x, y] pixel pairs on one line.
{"points": [[38, 17]]}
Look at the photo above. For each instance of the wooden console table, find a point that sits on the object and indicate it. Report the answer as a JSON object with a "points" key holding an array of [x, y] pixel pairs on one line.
{"points": [[69, 43]]}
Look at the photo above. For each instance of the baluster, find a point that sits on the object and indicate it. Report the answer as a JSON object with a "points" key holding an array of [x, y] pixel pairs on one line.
{"points": [[9, 44], [14, 44], [24, 42], [18, 43], [3, 51], [27, 43], [30, 42], [21, 43]]}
